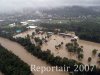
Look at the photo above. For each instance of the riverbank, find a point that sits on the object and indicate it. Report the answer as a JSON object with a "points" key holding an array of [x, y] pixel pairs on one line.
{"points": [[25, 56]]}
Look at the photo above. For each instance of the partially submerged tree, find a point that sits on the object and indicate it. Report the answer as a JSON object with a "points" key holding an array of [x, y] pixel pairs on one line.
{"points": [[99, 55], [94, 52], [80, 56], [89, 59]]}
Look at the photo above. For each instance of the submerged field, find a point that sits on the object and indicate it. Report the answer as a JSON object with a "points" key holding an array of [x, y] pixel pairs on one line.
{"points": [[63, 52], [18, 50]]}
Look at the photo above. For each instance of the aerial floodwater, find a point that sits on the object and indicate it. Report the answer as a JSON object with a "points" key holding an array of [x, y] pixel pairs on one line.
{"points": [[18, 50], [87, 47]]}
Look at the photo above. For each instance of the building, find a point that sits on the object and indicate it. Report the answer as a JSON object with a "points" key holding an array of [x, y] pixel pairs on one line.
{"points": [[64, 34], [12, 25], [50, 33], [33, 21], [75, 38], [18, 31], [24, 23], [31, 27]]}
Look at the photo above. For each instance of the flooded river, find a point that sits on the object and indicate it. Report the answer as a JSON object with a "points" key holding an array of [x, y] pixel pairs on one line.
{"points": [[26, 57]]}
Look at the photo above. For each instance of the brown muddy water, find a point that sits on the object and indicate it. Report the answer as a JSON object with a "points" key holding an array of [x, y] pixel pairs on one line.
{"points": [[87, 47], [18, 50], [24, 34]]}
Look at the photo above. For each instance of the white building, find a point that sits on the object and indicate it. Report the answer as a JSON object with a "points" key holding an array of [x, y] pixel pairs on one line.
{"points": [[49, 32], [32, 27], [75, 38], [12, 25], [24, 23]]}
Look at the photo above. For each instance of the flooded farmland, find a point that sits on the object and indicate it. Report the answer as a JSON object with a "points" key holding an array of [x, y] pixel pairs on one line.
{"points": [[26, 57], [63, 52]]}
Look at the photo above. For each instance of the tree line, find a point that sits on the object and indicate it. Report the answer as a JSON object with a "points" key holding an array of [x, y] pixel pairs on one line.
{"points": [[10, 64], [52, 60], [86, 30]]}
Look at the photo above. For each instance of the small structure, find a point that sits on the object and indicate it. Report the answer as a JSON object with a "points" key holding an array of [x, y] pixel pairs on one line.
{"points": [[33, 21], [12, 25], [31, 27], [69, 35], [50, 33], [75, 38], [24, 23], [64, 34], [18, 31]]}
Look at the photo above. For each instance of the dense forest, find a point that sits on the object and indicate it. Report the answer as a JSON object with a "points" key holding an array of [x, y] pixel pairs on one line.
{"points": [[10, 64], [86, 30]]}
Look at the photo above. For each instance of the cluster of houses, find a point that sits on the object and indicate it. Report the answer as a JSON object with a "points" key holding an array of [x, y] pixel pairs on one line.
{"points": [[70, 35], [25, 23]]}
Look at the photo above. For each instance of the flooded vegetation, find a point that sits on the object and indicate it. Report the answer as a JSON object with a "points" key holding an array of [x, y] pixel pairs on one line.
{"points": [[53, 45], [25, 56], [62, 52], [50, 37]]}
